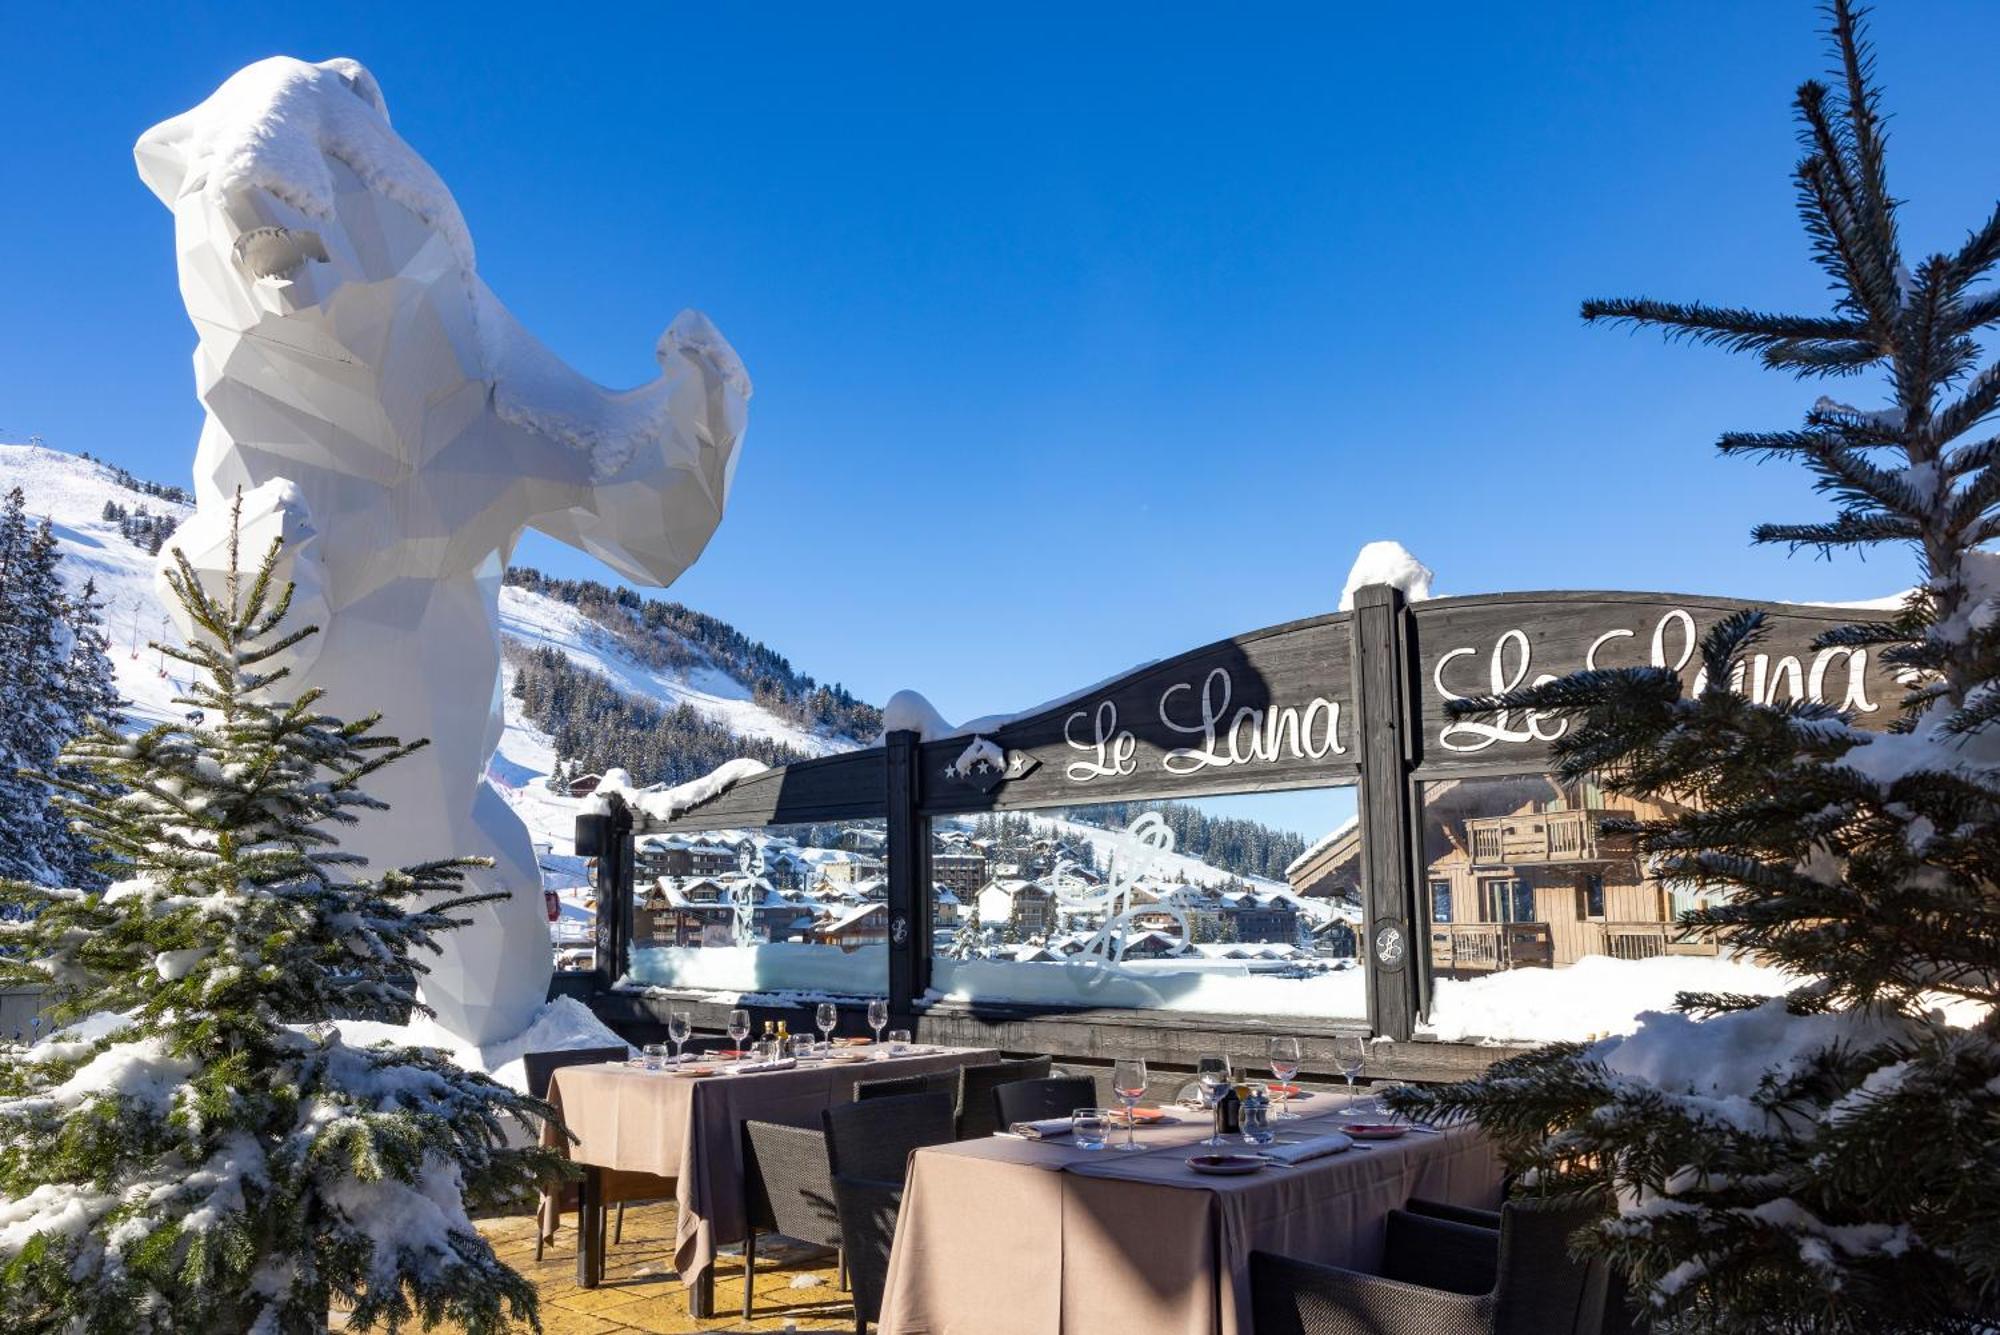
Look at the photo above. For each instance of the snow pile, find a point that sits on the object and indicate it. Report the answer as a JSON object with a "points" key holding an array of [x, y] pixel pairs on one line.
{"points": [[1595, 996], [278, 125], [559, 1026], [667, 803], [1387, 562], [1717, 1064]]}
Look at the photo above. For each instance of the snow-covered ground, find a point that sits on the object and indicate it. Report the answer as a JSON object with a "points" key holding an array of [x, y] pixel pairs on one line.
{"points": [[72, 491]]}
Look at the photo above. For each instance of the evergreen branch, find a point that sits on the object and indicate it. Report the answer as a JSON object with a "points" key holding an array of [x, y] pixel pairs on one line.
{"points": [[1851, 529], [1790, 336]]}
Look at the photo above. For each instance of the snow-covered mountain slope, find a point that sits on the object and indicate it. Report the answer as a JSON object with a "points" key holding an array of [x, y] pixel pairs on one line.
{"points": [[71, 491]]}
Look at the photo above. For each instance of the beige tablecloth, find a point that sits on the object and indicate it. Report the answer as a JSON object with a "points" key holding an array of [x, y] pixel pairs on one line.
{"points": [[1013, 1237], [632, 1120]]}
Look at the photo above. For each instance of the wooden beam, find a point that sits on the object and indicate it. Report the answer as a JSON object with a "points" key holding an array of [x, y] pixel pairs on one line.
{"points": [[1382, 726], [908, 850]]}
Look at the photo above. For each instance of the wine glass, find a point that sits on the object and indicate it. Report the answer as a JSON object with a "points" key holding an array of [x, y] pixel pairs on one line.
{"points": [[825, 1016], [679, 1025], [878, 1020], [739, 1029], [1128, 1082], [1284, 1069], [1213, 1073], [1350, 1055]]}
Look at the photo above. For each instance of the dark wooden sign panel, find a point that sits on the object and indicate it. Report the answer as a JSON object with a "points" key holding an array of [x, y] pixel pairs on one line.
{"points": [[1489, 645], [1268, 710]]}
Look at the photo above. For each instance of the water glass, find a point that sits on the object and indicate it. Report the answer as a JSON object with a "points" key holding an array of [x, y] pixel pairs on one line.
{"points": [[825, 1017], [878, 1019], [1090, 1127], [899, 1040], [1350, 1055], [1213, 1073], [1285, 1070], [1128, 1082], [656, 1056]]}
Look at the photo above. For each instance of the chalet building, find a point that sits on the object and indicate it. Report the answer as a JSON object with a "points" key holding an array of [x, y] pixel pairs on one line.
{"points": [[862, 925], [657, 855], [840, 867], [962, 868], [1331, 867], [947, 908], [1254, 917], [702, 911], [1028, 908], [1519, 871]]}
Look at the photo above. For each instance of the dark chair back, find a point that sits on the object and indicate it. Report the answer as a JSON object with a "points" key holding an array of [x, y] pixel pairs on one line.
{"points": [[787, 1187], [539, 1068], [930, 1082], [975, 1103], [873, 1138], [1035, 1100], [1542, 1289]]}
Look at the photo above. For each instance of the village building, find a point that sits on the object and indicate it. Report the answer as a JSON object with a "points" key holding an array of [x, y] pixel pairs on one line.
{"points": [[1025, 906]]}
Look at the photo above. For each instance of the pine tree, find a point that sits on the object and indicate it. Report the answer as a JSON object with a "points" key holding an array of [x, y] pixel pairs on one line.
{"points": [[34, 649], [202, 1150], [88, 694], [1828, 1160]]}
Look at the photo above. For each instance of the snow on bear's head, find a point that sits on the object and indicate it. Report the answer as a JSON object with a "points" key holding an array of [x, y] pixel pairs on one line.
{"points": [[287, 186]]}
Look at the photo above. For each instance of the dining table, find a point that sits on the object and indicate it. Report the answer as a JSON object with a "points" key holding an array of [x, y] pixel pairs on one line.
{"points": [[1013, 1236], [629, 1125]]}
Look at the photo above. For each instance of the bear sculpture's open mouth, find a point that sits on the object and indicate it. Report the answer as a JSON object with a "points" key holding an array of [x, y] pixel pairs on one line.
{"points": [[277, 252]]}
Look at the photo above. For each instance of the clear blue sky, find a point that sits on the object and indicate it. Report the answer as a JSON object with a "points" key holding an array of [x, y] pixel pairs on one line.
{"points": [[1082, 335]]}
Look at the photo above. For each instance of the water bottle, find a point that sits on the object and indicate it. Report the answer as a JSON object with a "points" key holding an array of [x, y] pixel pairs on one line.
{"points": [[1257, 1116]]}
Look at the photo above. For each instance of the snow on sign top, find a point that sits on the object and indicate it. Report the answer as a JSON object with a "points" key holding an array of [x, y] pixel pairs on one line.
{"points": [[1387, 562]]}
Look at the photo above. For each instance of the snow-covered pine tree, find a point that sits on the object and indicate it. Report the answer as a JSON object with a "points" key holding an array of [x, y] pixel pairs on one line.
{"points": [[88, 693], [34, 654], [1827, 1161], [202, 1150]]}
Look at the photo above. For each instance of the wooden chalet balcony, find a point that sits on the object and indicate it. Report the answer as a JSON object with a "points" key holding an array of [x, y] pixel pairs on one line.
{"points": [[1545, 837], [1479, 947]]}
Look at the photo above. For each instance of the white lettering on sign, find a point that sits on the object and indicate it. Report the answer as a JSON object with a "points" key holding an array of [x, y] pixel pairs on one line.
{"points": [[1251, 734], [1248, 734], [1673, 645], [1111, 748]]}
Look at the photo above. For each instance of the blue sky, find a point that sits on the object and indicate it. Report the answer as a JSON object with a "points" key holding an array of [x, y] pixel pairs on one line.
{"points": [[1082, 335]]}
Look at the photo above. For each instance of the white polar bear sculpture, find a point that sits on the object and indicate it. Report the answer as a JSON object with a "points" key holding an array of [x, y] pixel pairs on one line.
{"points": [[378, 405]]}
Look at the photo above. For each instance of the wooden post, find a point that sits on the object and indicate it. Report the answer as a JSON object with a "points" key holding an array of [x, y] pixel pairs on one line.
{"points": [[1388, 823], [607, 836], [909, 852]]}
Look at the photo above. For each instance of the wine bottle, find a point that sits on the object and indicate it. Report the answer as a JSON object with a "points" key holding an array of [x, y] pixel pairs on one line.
{"points": [[1229, 1112]]}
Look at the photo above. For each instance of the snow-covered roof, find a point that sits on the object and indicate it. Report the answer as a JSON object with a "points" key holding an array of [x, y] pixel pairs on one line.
{"points": [[840, 922], [1321, 844]]}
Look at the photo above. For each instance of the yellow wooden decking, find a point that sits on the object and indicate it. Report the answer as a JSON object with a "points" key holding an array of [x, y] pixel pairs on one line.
{"points": [[641, 1292]]}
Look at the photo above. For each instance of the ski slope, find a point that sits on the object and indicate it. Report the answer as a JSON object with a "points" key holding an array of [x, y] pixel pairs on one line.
{"points": [[71, 492]]}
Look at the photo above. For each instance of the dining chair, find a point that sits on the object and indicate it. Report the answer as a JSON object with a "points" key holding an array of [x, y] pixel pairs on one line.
{"points": [[930, 1082], [1444, 1276], [868, 1144], [788, 1190], [538, 1070], [975, 1098], [1037, 1100]]}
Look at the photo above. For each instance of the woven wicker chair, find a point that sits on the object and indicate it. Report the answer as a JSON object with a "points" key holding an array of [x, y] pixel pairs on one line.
{"points": [[930, 1082], [1443, 1276], [1035, 1100], [539, 1070], [869, 1143], [976, 1116], [787, 1189]]}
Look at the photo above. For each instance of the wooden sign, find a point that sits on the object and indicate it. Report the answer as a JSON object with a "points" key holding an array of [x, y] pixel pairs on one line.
{"points": [[1491, 645], [1267, 710]]}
